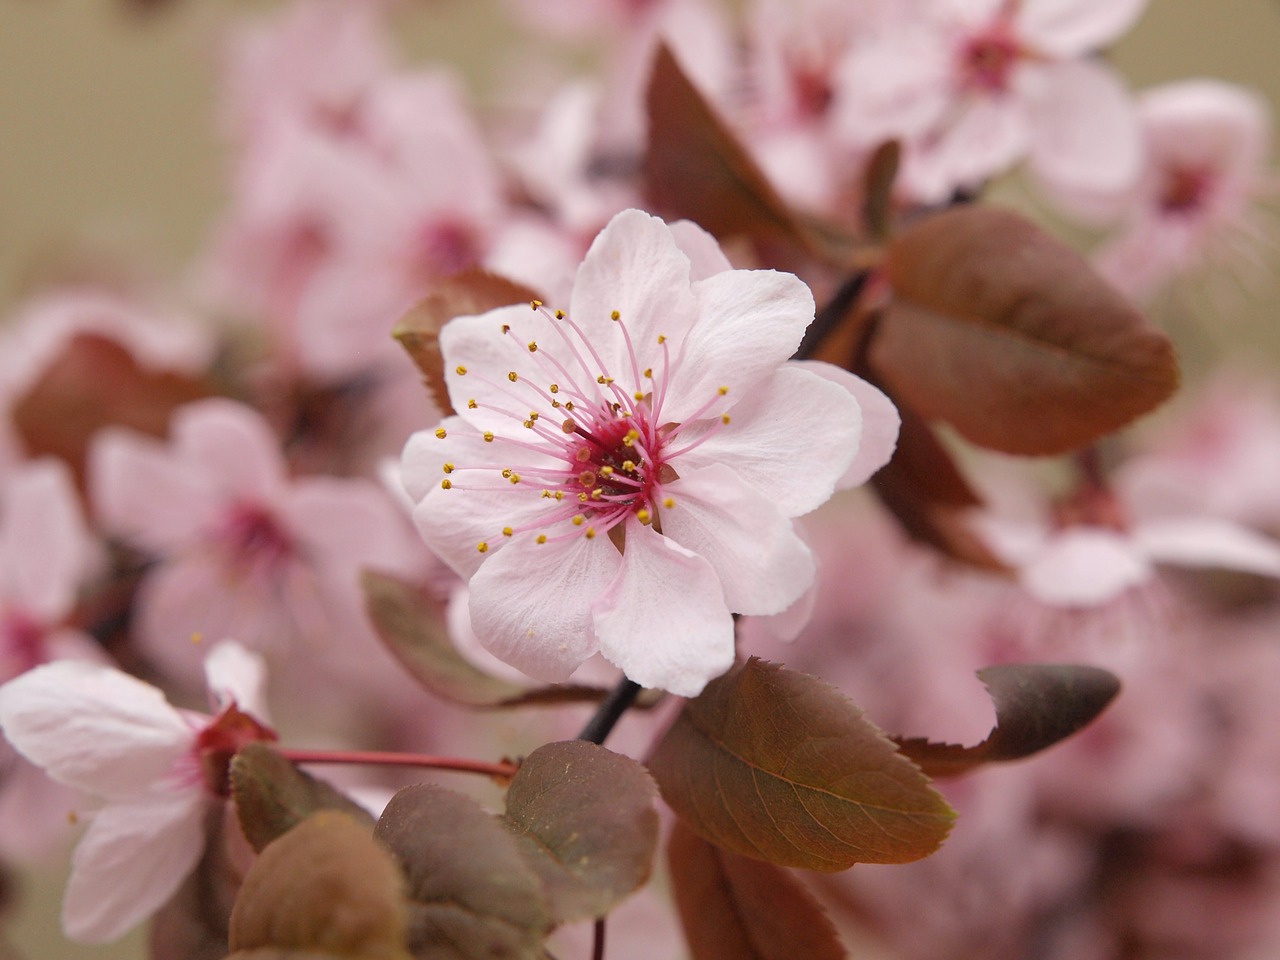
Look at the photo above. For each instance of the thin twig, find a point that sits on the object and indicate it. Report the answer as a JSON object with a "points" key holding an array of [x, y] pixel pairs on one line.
{"points": [[610, 711]]}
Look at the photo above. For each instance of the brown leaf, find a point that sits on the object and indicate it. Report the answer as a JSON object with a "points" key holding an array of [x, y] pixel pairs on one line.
{"points": [[472, 896], [1037, 705], [777, 765], [587, 824], [737, 908], [1006, 333], [326, 889], [193, 924], [470, 292], [923, 487], [272, 796], [694, 167], [881, 171], [94, 383], [413, 629]]}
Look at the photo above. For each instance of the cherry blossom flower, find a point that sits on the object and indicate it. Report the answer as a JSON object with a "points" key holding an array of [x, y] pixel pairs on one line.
{"points": [[244, 550], [974, 86], [621, 476], [156, 768]]}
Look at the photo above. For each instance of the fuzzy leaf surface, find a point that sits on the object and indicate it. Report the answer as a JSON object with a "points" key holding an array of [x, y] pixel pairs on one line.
{"points": [[737, 908], [777, 765], [272, 796], [324, 890], [1009, 335], [1037, 705], [472, 895], [413, 629], [586, 823], [467, 293]]}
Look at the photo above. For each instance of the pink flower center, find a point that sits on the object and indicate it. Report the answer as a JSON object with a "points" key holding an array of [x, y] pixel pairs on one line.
{"points": [[987, 59], [610, 451], [1183, 190], [256, 544], [220, 740], [21, 642], [444, 247]]}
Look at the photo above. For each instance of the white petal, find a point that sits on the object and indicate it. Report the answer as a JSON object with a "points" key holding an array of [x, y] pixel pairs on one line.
{"points": [[230, 443], [93, 727], [880, 423], [663, 620], [1084, 567], [133, 858], [791, 439], [1084, 130], [634, 267], [706, 259], [761, 562], [531, 604], [237, 675], [453, 523], [1073, 28], [749, 323], [1209, 542]]}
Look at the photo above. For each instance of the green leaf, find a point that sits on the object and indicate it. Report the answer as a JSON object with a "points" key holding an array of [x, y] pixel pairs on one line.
{"points": [[467, 293], [586, 823], [326, 890], [737, 908], [413, 629], [272, 796], [777, 765], [1037, 705], [472, 895], [1009, 335]]}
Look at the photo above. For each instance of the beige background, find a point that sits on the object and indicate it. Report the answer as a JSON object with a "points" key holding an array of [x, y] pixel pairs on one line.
{"points": [[108, 158]]}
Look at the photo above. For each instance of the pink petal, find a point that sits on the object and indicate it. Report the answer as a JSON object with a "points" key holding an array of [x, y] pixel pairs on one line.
{"points": [[1208, 542], [230, 443], [531, 604], [1084, 129], [1084, 567], [93, 727], [453, 523], [45, 548], [349, 523], [880, 423], [762, 564], [663, 620], [706, 259], [749, 323], [1074, 28], [131, 860], [235, 675], [795, 417]]}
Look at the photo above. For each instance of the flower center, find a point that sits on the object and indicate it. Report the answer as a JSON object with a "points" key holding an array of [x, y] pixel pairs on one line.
{"points": [[21, 643], [605, 451], [1184, 189], [255, 542], [219, 741], [987, 59]]}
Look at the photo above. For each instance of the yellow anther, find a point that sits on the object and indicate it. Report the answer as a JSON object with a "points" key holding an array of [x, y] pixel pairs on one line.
{"points": [[583, 454], [546, 494], [515, 478], [559, 494], [638, 396], [630, 437], [446, 484], [513, 376], [648, 372], [488, 436], [587, 477], [597, 493], [668, 502], [559, 314], [590, 532], [602, 379], [643, 515], [615, 315], [569, 406], [662, 338], [555, 404], [533, 415], [440, 434], [507, 532], [506, 473], [629, 466], [555, 388], [578, 519], [506, 328], [724, 418], [535, 304], [607, 470], [533, 346], [482, 547], [722, 391], [528, 424], [471, 404], [197, 638], [582, 498], [448, 468], [542, 538], [460, 370]]}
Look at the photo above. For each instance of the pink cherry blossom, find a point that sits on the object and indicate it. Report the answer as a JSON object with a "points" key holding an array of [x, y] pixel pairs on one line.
{"points": [[974, 86], [621, 476], [243, 549], [156, 769]]}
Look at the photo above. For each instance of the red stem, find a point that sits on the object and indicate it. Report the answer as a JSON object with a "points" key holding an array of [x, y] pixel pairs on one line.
{"points": [[503, 770]]}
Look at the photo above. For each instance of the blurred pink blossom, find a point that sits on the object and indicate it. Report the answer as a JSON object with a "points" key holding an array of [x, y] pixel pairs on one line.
{"points": [[155, 767]]}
